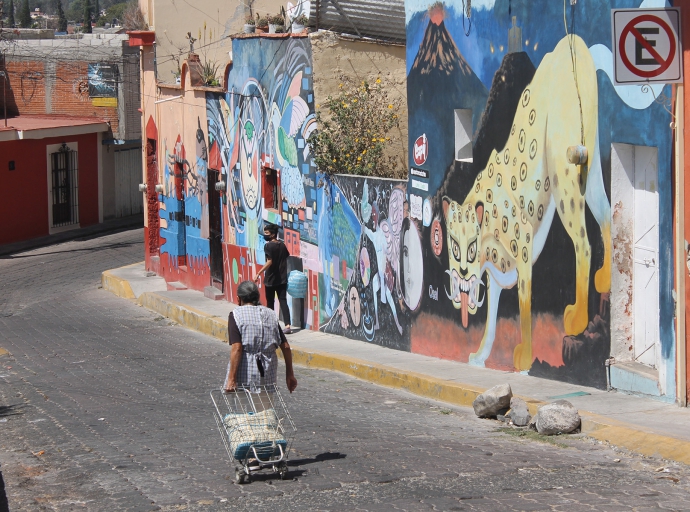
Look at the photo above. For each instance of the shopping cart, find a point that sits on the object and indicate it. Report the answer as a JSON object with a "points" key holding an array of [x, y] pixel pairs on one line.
{"points": [[256, 429]]}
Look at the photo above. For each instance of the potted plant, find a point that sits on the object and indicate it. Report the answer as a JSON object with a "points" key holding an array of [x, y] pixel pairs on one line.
{"points": [[261, 24], [249, 25], [299, 23], [274, 22]]}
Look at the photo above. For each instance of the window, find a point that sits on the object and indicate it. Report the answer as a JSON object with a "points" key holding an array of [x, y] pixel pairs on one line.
{"points": [[269, 188], [463, 135], [64, 190]]}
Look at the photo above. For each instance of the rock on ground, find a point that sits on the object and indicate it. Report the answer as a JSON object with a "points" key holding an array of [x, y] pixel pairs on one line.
{"points": [[489, 403], [519, 412], [559, 417]]}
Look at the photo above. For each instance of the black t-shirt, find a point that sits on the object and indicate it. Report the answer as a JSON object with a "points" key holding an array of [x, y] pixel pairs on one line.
{"points": [[276, 274]]}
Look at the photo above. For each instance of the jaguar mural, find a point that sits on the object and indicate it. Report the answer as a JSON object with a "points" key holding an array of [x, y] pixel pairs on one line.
{"points": [[503, 223], [517, 240]]}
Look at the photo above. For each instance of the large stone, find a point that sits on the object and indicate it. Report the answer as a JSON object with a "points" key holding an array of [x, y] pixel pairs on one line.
{"points": [[519, 412], [489, 403], [559, 417]]}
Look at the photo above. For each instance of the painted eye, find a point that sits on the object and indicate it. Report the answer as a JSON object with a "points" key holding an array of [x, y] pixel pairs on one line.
{"points": [[472, 252], [456, 250]]}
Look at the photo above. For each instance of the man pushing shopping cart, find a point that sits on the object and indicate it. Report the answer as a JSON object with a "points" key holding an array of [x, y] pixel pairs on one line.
{"points": [[254, 422]]}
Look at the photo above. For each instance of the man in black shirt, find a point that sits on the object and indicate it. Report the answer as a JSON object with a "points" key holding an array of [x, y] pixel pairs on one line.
{"points": [[275, 280]]}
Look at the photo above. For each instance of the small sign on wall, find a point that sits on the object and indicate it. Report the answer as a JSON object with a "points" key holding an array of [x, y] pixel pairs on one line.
{"points": [[646, 46], [103, 80], [104, 102]]}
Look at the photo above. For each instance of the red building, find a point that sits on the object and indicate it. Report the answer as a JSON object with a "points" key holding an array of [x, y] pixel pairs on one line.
{"points": [[51, 169]]}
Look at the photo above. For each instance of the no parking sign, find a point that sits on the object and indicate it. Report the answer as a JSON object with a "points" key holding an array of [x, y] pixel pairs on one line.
{"points": [[646, 46]]}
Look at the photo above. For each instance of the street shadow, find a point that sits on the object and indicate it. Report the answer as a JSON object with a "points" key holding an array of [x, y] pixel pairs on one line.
{"points": [[118, 245], [93, 236], [319, 458], [11, 410], [267, 475]]}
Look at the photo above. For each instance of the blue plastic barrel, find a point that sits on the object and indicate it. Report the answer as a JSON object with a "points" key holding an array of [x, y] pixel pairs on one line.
{"points": [[297, 284]]}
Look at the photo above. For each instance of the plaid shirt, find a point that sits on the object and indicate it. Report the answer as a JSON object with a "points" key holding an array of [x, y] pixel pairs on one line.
{"points": [[260, 334]]}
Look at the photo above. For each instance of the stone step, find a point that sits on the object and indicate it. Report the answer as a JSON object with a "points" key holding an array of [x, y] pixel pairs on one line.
{"points": [[176, 286], [213, 293]]}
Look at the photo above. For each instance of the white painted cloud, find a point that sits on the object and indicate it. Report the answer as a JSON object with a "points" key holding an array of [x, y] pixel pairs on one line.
{"points": [[651, 4]]}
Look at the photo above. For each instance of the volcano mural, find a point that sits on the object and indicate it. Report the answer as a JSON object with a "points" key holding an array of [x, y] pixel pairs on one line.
{"points": [[517, 238]]}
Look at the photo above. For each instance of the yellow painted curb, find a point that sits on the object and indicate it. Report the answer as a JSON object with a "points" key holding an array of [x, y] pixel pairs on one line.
{"points": [[645, 443], [423, 385], [596, 426], [117, 285]]}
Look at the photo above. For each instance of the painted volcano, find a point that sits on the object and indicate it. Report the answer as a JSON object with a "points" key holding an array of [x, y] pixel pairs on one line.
{"points": [[440, 80]]}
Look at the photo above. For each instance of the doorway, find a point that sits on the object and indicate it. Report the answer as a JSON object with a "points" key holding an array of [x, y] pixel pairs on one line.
{"points": [[635, 229], [646, 348], [215, 230]]}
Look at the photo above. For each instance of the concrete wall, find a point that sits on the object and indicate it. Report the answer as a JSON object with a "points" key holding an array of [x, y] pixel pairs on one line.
{"points": [[336, 56], [172, 20]]}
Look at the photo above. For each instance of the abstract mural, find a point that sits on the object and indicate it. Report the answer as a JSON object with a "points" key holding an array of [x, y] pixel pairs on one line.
{"points": [[257, 134], [360, 246]]}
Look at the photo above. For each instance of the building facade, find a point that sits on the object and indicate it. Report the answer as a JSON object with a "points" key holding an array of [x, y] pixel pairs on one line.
{"points": [[209, 24], [72, 78], [52, 168], [535, 232], [555, 266]]}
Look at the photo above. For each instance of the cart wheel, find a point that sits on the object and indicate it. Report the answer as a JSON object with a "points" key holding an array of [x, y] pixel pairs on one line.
{"points": [[282, 470], [240, 477]]}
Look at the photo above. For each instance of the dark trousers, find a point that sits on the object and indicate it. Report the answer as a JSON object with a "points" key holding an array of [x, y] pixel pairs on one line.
{"points": [[280, 290], [4, 505]]}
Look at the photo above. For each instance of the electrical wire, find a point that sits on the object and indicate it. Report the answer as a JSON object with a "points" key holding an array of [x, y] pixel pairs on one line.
{"points": [[573, 58]]}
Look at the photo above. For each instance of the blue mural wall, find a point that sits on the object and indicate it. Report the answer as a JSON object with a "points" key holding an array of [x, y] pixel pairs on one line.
{"points": [[517, 241]]}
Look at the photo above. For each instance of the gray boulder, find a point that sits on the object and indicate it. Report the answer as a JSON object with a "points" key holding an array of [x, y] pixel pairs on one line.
{"points": [[496, 399], [559, 417], [519, 412]]}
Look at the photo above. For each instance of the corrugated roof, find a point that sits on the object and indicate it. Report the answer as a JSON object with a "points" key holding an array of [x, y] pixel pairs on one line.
{"points": [[378, 19]]}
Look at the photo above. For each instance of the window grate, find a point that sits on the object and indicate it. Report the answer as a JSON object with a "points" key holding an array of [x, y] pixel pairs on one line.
{"points": [[65, 192]]}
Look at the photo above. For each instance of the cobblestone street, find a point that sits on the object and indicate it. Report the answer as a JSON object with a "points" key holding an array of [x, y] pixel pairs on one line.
{"points": [[104, 406]]}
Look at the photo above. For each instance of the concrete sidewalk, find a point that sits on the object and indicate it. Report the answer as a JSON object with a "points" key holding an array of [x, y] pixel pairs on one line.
{"points": [[642, 425]]}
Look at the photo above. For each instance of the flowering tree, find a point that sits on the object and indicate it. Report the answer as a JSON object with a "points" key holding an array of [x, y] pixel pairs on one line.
{"points": [[353, 134]]}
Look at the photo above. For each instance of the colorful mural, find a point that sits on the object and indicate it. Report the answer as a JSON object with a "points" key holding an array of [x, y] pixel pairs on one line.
{"points": [[184, 230], [261, 123], [360, 249], [518, 239], [500, 249]]}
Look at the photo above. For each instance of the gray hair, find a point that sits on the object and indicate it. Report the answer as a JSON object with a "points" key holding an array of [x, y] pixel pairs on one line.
{"points": [[248, 292]]}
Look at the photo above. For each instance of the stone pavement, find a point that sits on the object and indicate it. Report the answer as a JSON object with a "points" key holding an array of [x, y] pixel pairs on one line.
{"points": [[104, 406], [109, 226], [643, 425]]}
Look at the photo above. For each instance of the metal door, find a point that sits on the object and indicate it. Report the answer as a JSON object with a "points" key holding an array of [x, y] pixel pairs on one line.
{"points": [[646, 257], [128, 199], [215, 230], [65, 189]]}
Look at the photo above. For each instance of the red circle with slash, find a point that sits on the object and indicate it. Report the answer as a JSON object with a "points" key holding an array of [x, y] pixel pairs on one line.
{"points": [[663, 63]]}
